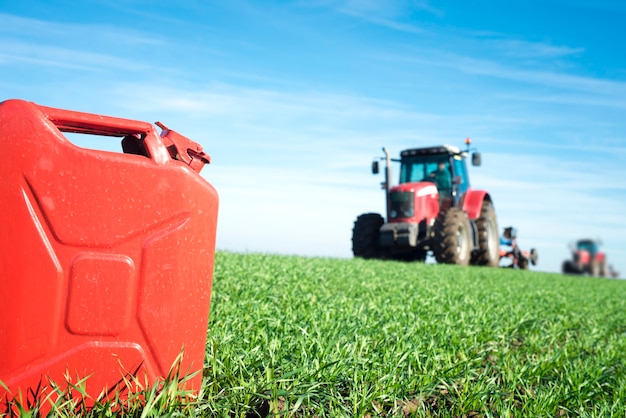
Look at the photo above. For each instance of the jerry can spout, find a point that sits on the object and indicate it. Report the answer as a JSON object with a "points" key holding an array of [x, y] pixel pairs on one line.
{"points": [[183, 149]]}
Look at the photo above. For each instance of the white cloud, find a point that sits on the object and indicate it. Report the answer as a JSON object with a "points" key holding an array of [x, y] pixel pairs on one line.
{"points": [[525, 49], [16, 53], [75, 33], [385, 10]]}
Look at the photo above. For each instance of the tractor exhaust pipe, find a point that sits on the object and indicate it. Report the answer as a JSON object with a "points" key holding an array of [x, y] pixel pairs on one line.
{"points": [[387, 180]]}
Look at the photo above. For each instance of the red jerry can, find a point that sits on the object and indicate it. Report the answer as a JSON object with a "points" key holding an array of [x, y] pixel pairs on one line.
{"points": [[106, 259]]}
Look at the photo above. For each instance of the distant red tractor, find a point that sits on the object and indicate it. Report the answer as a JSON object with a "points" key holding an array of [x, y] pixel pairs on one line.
{"points": [[433, 208], [588, 259]]}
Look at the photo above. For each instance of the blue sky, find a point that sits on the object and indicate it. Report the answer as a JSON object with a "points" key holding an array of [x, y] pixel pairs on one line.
{"points": [[293, 100]]}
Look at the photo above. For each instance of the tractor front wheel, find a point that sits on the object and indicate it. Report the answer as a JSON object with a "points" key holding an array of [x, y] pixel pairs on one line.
{"points": [[488, 252], [593, 268], [570, 268], [365, 235], [452, 238]]}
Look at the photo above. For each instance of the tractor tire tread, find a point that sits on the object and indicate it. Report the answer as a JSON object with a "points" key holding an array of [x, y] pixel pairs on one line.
{"points": [[365, 235], [445, 246], [485, 256]]}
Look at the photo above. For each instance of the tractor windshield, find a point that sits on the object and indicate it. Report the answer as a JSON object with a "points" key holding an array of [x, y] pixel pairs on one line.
{"points": [[433, 168], [590, 246]]}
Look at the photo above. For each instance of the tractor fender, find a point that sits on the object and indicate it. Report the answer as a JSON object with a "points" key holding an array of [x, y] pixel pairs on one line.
{"points": [[473, 202]]}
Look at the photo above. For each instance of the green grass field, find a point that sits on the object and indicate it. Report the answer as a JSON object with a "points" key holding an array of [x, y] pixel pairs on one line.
{"points": [[331, 337], [295, 336]]}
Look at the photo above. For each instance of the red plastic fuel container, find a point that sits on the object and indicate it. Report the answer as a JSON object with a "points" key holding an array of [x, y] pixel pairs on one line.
{"points": [[106, 258]]}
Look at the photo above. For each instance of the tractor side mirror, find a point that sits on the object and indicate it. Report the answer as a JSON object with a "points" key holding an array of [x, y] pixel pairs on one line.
{"points": [[375, 167], [476, 159]]}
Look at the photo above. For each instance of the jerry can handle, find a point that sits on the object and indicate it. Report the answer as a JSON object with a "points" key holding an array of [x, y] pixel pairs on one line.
{"points": [[160, 148]]}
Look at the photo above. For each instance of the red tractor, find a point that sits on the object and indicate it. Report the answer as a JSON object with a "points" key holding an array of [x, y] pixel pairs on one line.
{"points": [[588, 259], [433, 208]]}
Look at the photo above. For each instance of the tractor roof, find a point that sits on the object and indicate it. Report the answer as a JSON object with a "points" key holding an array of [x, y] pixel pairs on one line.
{"points": [[587, 241], [441, 149]]}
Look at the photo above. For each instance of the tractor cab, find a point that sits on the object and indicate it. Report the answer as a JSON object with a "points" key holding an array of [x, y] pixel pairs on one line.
{"points": [[587, 245], [444, 166]]}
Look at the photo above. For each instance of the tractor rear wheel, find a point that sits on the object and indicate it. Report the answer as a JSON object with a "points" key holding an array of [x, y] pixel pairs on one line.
{"points": [[365, 235], [488, 252], [452, 240]]}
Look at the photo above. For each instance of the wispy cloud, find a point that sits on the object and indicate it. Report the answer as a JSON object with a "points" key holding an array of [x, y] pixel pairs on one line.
{"points": [[16, 53], [308, 108], [518, 48], [389, 23], [611, 90], [72, 46], [75, 33], [391, 14], [385, 9]]}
